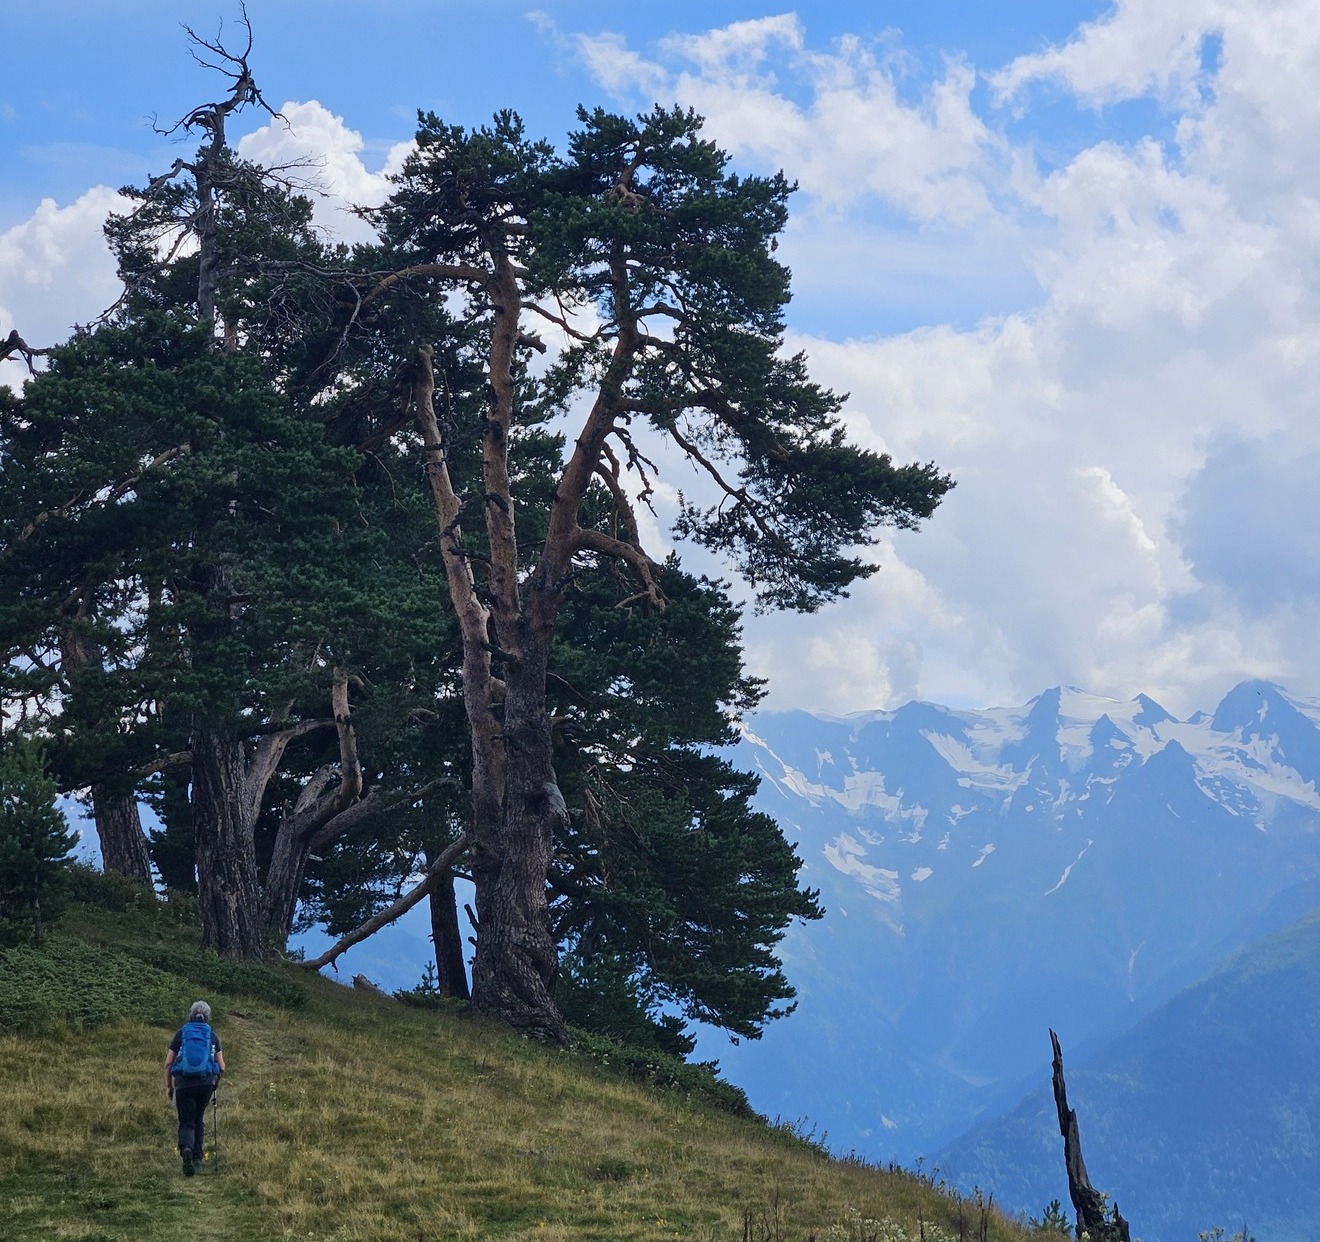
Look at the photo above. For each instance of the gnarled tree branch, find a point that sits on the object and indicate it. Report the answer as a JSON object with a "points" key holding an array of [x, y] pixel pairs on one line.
{"points": [[392, 913]]}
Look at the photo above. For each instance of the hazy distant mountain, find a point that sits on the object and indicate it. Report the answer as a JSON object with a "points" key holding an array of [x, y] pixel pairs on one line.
{"points": [[990, 874], [1206, 1113]]}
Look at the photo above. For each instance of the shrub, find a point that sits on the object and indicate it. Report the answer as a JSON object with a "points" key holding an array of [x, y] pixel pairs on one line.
{"points": [[69, 981], [1053, 1220], [108, 890], [604, 995], [210, 970], [661, 1070]]}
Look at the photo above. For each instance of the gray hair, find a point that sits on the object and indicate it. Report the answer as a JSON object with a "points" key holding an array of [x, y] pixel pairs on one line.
{"points": [[200, 1012]]}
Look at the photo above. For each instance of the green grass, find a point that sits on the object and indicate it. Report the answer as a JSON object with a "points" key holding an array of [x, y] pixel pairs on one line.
{"points": [[352, 1118]]}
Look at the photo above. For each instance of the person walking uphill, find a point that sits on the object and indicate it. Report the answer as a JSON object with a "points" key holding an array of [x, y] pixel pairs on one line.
{"points": [[193, 1066]]}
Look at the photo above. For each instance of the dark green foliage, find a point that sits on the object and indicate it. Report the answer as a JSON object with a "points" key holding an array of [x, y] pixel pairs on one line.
{"points": [[792, 494], [660, 1069], [601, 994], [1053, 1220], [67, 981], [34, 844], [672, 891], [224, 532], [108, 890], [200, 572], [215, 973], [693, 889]]}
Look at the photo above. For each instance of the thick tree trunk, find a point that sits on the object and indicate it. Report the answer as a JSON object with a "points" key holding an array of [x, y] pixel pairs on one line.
{"points": [[284, 877], [119, 827], [226, 857], [1093, 1216], [313, 825], [451, 969], [517, 961]]}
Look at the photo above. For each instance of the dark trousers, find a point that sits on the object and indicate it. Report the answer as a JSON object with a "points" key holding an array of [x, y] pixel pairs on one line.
{"points": [[191, 1099]]}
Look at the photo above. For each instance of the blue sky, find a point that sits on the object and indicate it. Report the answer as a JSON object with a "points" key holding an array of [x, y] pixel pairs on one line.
{"points": [[1068, 250]]}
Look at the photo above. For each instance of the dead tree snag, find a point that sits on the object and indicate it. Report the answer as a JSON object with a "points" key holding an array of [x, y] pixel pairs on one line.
{"points": [[1095, 1218]]}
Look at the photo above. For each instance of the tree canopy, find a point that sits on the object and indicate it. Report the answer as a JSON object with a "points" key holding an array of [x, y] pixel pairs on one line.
{"points": [[336, 557]]}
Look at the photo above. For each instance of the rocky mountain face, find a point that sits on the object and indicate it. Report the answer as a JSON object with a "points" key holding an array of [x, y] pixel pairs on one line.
{"points": [[991, 874]]}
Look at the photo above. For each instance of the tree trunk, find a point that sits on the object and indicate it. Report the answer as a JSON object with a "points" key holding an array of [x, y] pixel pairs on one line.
{"points": [[119, 827], [450, 967], [1094, 1217], [313, 825], [284, 877], [226, 857], [517, 961]]}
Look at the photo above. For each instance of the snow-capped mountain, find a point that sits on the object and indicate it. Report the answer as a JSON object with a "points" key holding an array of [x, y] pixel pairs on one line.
{"points": [[990, 874]]}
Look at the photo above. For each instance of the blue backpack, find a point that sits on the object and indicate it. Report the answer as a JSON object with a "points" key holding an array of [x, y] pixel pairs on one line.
{"points": [[195, 1059]]}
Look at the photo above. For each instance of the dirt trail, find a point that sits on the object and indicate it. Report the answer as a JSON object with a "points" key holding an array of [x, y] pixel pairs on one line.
{"points": [[208, 1209]]}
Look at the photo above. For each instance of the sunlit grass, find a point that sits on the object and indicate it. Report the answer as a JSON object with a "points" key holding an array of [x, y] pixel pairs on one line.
{"points": [[358, 1120]]}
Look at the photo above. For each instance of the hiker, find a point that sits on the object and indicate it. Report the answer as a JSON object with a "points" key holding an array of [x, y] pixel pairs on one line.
{"points": [[193, 1066]]}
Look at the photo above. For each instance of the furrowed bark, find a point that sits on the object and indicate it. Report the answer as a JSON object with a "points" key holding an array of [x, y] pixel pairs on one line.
{"points": [[119, 828], [517, 960], [514, 971], [226, 859]]}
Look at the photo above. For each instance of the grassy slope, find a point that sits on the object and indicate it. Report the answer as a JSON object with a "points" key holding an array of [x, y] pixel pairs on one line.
{"points": [[348, 1117]]}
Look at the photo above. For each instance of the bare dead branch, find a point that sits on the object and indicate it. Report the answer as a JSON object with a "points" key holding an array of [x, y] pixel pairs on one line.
{"points": [[561, 322], [738, 494], [632, 556], [427, 271], [15, 344], [269, 753], [211, 117], [179, 759], [392, 913]]}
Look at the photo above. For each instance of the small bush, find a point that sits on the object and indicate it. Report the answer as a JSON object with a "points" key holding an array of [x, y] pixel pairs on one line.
{"points": [[699, 1079], [108, 890], [34, 844], [1053, 1220], [69, 981], [210, 970]]}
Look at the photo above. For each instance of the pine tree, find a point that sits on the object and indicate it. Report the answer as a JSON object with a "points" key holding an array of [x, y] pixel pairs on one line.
{"points": [[34, 843], [258, 611], [655, 265]]}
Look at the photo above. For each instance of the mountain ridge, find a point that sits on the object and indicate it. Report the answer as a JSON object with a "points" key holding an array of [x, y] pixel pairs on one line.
{"points": [[989, 873], [1185, 1118]]}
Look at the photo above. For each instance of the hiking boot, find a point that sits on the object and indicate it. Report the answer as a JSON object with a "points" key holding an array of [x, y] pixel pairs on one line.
{"points": [[189, 1167]]}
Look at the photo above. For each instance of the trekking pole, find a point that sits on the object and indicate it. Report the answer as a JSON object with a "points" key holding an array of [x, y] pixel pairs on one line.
{"points": [[215, 1126]]}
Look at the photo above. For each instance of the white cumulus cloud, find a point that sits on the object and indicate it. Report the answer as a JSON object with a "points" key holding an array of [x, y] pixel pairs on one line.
{"points": [[321, 151], [1113, 428], [55, 271]]}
